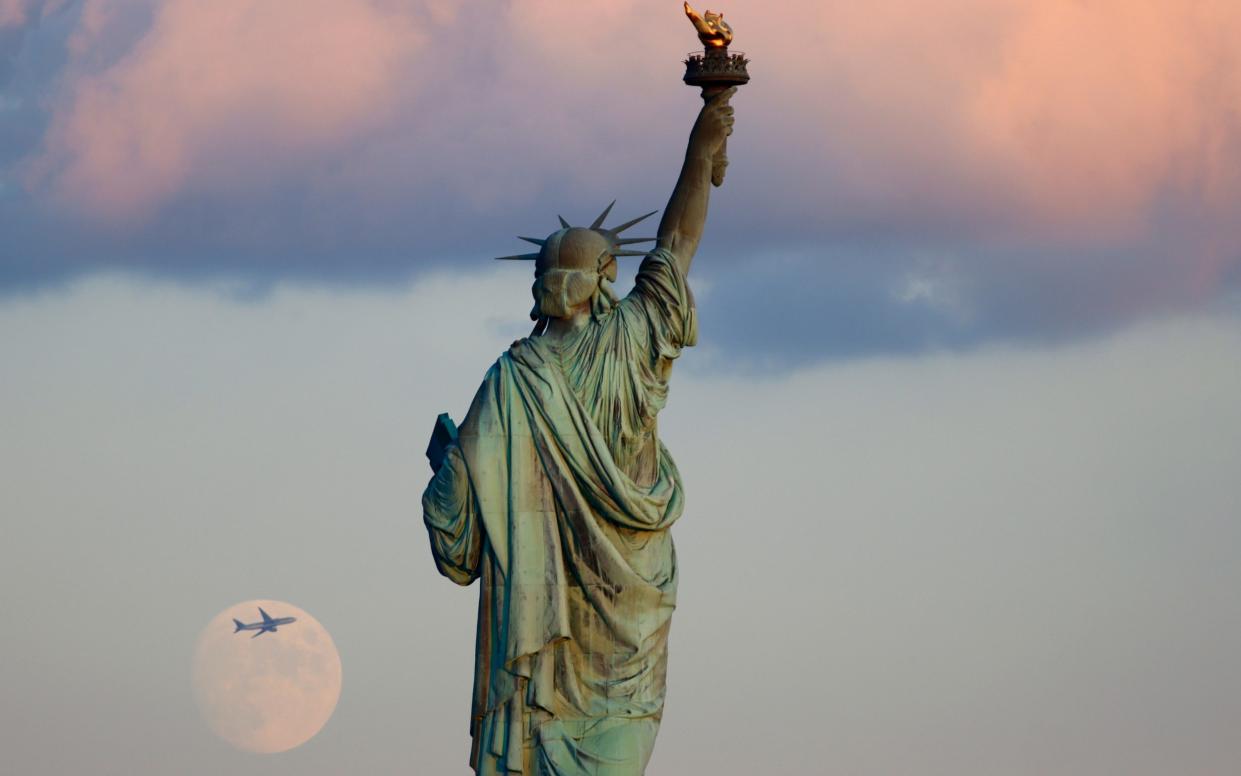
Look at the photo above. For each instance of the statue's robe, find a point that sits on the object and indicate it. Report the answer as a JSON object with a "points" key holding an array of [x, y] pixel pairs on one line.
{"points": [[559, 495]]}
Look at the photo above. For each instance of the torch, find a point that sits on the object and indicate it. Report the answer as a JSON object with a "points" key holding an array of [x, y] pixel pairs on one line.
{"points": [[714, 69]]}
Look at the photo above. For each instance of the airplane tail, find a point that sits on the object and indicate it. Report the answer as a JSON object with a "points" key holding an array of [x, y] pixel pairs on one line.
{"points": [[239, 625]]}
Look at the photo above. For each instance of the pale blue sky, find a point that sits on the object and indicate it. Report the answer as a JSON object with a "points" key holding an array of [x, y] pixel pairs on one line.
{"points": [[1017, 561]]}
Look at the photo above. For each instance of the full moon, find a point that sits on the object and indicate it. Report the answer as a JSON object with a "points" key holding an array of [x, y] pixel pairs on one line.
{"points": [[266, 693]]}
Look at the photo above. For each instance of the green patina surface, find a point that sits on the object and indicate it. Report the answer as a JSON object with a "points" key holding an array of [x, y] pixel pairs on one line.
{"points": [[557, 495]]}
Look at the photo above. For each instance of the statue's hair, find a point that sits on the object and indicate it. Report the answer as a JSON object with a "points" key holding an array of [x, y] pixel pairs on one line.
{"points": [[556, 292]]}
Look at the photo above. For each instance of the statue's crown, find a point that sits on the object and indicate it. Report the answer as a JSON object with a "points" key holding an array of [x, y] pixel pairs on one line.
{"points": [[562, 247]]}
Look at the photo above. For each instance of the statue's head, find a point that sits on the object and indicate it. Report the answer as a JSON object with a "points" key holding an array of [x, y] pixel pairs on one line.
{"points": [[571, 269], [576, 265]]}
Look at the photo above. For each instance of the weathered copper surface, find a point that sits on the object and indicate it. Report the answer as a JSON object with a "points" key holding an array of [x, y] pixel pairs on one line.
{"points": [[557, 494]]}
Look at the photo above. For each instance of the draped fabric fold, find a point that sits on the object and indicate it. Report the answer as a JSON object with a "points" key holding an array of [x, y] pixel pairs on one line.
{"points": [[558, 496]]}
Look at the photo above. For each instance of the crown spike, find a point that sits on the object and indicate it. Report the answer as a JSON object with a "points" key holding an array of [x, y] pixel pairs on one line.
{"points": [[629, 253], [563, 222], [627, 224], [536, 240], [599, 221], [519, 257], [632, 240]]}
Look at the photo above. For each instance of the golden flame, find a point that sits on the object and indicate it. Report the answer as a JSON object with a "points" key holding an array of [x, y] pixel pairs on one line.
{"points": [[713, 31]]}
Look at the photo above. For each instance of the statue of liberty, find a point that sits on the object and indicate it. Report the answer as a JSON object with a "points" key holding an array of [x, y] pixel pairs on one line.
{"points": [[557, 494]]}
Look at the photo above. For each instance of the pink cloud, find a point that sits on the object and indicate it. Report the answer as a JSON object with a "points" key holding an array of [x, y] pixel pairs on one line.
{"points": [[1048, 116], [220, 93], [991, 117], [13, 13], [1040, 114], [1097, 109]]}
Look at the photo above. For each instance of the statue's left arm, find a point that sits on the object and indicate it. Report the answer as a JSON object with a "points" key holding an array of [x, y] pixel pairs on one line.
{"points": [[686, 213], [451, 516]]}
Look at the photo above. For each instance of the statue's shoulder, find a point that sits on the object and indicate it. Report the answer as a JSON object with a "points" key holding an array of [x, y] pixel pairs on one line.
{"points": [[519, 348], [527, 351]]}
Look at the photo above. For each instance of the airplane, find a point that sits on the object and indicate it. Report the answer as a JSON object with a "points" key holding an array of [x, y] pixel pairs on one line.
{"points": [[269, 623]]}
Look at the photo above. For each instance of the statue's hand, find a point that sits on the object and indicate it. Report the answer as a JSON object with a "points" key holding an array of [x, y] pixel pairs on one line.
{"points": [[714, 125], [443, 436]]}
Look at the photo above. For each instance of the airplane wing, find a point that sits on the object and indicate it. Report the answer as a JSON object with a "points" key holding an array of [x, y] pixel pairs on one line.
{"points": [[258, 633], [266, 616]]}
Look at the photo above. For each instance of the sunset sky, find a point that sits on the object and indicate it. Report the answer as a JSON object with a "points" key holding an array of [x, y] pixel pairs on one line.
{"points": [[969, 307]]}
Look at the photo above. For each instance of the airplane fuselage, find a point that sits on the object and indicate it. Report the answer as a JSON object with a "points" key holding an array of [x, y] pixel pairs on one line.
{"points": [[264, 626], [268, 624]]}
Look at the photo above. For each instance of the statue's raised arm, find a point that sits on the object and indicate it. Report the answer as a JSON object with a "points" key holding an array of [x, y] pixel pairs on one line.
{"points": [[686, 214], [719, 73]]}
